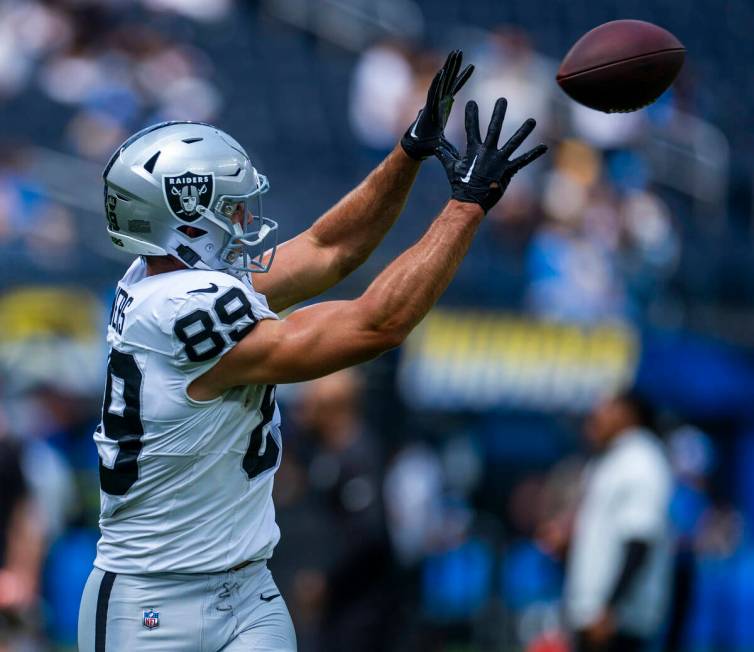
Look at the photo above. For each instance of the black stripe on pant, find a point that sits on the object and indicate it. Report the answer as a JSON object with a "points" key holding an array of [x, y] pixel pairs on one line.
{"points": [[103, 598]]}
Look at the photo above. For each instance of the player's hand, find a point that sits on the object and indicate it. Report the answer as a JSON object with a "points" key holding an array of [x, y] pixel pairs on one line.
{"points": [[423, 136], [602, 629], [483, 173], [16, 592]]}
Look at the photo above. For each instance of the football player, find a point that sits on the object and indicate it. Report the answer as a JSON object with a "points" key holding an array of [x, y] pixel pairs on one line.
{"points": [[190, 435]]}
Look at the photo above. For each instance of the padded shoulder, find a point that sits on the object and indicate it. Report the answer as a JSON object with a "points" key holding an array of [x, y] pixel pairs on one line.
{"points": [[191, 316]]}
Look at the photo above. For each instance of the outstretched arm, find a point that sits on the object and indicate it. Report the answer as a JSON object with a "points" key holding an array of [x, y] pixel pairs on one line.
{"points": [[344, 237], [323, 338], [319, 339]]}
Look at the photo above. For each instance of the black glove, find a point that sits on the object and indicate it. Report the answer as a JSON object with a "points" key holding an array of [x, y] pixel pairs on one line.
{"points": [[484, 172], [423, 136]]}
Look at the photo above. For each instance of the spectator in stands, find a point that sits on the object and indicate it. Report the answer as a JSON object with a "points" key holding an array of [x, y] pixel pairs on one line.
{"points": [[134, 74], [29, 30], [507, 63], [649, 249], [205, 11], [692, 457], [21, 548], [383, 80], [571, 259], [345, 476], [618, 572]]}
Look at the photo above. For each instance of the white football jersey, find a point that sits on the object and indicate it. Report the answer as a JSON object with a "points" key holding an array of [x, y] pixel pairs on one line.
{"points": [[185, 485]]}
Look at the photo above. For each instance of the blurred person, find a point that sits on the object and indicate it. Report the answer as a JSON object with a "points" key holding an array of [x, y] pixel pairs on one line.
{"points": [[190, 435], [692, 458], [530, 578], [605, 131], [413, 493], [649, 248], [601, 254], [19, 196], [22, 548], [29, 222], [54, 421], [83, 62], [720, 615], [28, 31], [382, 82], [345, 473], [200, 10], [549, 642], [618, 570], [95, 78], [507, 59], [58, 422], [132, 71]]}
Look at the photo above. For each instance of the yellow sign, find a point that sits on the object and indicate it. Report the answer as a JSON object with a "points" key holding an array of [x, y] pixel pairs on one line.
{"points": [[484, 360], [43, 312], [54, 337]]}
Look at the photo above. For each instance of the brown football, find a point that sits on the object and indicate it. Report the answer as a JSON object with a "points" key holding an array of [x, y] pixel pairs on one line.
{"points": [[621, 66]]}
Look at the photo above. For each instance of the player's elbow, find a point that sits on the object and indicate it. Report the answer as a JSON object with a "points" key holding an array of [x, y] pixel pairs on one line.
{"points": [[374, 342], [391, 337], [349, 259], [342, 258], [381, 333]]}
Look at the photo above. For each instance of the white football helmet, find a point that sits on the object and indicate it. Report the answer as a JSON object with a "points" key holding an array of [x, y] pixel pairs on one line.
{"points": [[185, 189]]}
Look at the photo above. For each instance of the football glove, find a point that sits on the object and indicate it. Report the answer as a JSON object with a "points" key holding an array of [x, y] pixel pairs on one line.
{"points": [[423, 136], [483, 173]]}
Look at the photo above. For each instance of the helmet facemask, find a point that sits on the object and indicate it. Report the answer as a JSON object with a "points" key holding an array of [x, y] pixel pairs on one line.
{"points": [[251, 234]]}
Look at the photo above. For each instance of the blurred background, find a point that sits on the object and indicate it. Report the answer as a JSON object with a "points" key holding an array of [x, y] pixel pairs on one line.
{"points": [[414, 491]]}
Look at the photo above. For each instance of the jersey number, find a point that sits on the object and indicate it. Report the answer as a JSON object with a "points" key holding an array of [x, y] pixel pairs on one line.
{"points": [[121, 411], [197, 331], [121, 419]]}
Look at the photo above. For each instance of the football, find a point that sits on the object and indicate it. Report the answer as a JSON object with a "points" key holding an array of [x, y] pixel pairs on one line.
{"points": [[621, 66]]}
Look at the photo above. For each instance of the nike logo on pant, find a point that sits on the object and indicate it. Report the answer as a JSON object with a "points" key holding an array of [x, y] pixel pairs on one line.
{"points": [[268, 597]]}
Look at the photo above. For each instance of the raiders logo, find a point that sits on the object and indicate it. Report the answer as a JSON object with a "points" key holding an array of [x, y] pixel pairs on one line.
{"points": [[186, 193]]}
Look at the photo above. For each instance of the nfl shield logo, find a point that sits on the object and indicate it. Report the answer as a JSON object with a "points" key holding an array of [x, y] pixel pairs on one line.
{"points": [[151, 619]]}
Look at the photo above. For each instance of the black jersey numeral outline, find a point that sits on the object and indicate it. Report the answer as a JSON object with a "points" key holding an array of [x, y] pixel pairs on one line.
{"points": [[257, 459], [125, 428], [204, 343]]}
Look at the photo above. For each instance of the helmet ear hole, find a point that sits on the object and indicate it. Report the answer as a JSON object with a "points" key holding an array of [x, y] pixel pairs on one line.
{"points": [[191, 231]]}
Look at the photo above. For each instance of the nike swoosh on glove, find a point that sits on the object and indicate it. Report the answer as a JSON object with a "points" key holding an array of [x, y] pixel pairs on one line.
{"points": [[423, 136], [483, 173]]}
